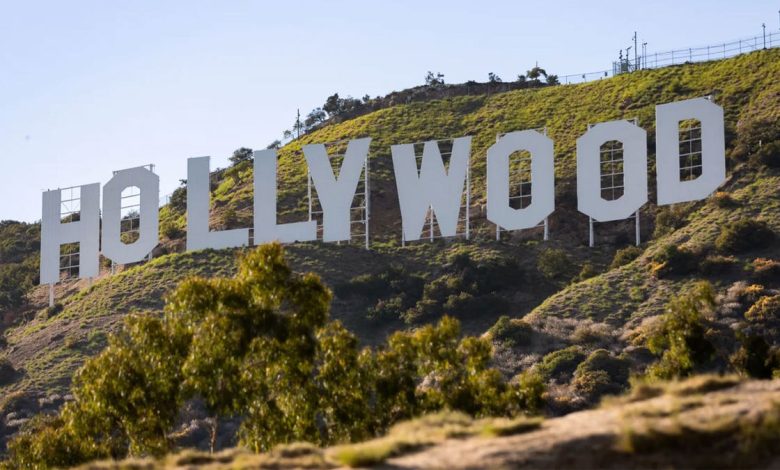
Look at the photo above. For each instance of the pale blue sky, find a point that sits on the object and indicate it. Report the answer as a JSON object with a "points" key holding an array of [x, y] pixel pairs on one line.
{"points": [[87, 87]]}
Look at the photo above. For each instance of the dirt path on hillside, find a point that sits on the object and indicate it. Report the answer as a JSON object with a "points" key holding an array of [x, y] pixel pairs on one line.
{"points": [[592, 439]]}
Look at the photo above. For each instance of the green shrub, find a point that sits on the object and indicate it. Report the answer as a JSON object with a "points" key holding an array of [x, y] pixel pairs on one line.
{"points": [[680, 339], [511, 333], [671, 260], [600, 374], [744, 235], [755, 357], [625, 255], [7, 372], [587, 271], [667, 220], [766, 309], [554, 263], [616, 367], [723, 200], [466, 289], [767, 270], [717, 264], [560, 365], [768, 154], [528, 391]]}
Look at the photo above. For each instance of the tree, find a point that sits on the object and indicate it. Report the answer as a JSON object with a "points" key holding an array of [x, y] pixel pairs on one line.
{"points": [[434, 80], [332, 105], [316, 116], [259, 345], [265, 313], [552, 80], [276, 144], [535, 73], [493, 78], [242, 154]]}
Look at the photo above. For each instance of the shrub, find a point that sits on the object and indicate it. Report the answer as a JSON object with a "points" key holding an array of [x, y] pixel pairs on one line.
{"points": [[560, 365], [554, 263], [680, 339], [511, 332], [723, 200], [766, 308], [528, 391], [667, 220], [601, 374], [616, 368], [625, 255], [587, 272], [394, 291], [766, 269], [717, 264], [768, 154], [744, 235], [754, 357], [466, 288], [7, 372], [593, 384], [671, 260]]}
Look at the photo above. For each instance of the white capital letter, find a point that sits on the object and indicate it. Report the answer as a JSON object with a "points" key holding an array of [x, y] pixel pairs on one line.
{"points": [[542, 180], [149, 186], [433, 186], [589, 199], [336, 193], [266, 228], [198, 197], [85, 232], [713, 158]]}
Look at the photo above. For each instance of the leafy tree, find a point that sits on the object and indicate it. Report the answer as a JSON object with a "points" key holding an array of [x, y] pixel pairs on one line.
{"points": [[264, 317], [552, 80], [338, 107], [242, 154], [535, 73], [493, 78], [434, 80], [316, 116], [276, 144], [681, 339], [332, 104], [260, 346]]}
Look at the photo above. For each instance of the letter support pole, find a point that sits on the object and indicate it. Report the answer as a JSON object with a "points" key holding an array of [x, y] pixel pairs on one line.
{"points": [[367, 191], [591, 236]]}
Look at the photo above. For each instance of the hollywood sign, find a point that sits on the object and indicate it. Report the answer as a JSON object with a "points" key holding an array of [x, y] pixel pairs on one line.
{"points": [[431, 187]]}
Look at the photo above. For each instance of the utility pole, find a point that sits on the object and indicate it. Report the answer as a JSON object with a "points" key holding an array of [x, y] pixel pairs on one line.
{"points": [[763, 25], [636, 53], [644, 55], [628, 59], [298, 122]]}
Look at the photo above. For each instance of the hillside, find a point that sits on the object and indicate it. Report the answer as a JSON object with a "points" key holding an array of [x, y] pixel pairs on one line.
{"points": [[532, 297], [655, 427]]}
